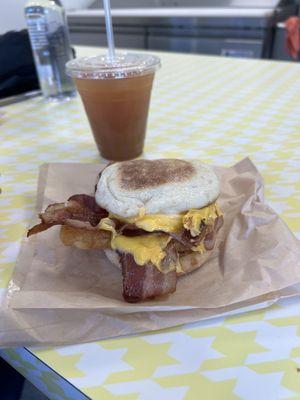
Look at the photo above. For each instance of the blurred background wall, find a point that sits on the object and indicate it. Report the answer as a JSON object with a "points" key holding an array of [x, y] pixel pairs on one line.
{"points": [[11, 15], [214, 30]]}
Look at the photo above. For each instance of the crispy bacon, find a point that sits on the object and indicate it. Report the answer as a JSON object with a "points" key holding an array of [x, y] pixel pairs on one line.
{"points": [[80, 211], [85, 238], [171, 258], [144, 282], [191, 241], [79, 218], [132, 231], [207, 235], [211, 235]]}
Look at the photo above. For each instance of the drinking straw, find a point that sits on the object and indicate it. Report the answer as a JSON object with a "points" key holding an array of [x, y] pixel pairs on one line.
{"points": [[109, 30]]}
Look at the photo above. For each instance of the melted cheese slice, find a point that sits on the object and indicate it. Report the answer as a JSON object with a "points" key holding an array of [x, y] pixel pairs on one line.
{"points": [[144, 249], [155, 222], [150, 247], [192, 219], [173, 223], [160, 222], [200, 248], [106, 224]]}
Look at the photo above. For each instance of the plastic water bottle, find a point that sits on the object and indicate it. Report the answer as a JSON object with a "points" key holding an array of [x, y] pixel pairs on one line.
{"points": [[50, 42]]}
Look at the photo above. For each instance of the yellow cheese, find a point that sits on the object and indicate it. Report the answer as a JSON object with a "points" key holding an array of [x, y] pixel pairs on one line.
{"points": [[144, 249], [192, 219], [150, 247], [160, 222], [106, 224], [154, 222], [200, 248], [173, 223]]}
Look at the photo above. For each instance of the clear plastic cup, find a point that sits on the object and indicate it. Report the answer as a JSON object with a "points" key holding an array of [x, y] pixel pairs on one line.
{"points": [[116, 96]]}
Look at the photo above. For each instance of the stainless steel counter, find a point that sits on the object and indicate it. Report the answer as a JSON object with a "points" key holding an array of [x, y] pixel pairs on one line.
{"points": [[241, 28], [214, 12]]}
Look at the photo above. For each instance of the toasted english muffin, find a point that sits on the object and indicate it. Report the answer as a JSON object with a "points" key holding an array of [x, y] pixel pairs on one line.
{"points": [[166, 186]]}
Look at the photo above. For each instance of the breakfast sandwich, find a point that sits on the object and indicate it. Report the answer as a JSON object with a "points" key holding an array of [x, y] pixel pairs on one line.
{"points": [[155, 220]]}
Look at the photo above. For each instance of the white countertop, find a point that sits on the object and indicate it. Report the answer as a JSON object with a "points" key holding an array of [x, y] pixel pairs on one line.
{"points": [[176, 12]]}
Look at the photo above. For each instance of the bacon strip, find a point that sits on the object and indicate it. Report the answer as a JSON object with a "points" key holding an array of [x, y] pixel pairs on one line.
{"points": [[84, 238], [144, 282], [211, 235], [207, 235], [80, 216], [80, 211]]}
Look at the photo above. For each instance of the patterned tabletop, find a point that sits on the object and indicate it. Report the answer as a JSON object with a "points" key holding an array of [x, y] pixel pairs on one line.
{"points": [[216, 109]]}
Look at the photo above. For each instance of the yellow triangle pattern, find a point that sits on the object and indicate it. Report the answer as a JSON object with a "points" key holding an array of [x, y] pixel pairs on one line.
{"points": [[143, 357], [216, 109], [201, 387]]}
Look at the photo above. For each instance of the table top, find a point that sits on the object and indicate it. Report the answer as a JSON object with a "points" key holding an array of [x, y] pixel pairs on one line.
{"points": [[216, 109]]}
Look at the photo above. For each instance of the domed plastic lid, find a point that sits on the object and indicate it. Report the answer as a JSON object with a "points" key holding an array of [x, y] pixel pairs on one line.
{"points": [[125, 65]]}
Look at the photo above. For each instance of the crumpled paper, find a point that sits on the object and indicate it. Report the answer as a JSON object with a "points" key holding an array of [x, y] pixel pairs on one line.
{"points": [[64, 295]]}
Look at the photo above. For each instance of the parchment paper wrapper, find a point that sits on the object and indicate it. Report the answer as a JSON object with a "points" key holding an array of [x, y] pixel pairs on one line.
{"points": [[61, 295]]}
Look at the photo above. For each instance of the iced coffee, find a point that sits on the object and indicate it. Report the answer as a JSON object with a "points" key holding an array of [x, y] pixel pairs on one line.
{"points": [[116, 97]]}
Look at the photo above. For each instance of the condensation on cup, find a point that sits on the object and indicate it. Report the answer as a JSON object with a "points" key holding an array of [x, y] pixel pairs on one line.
{"points": [[116, 96]]}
